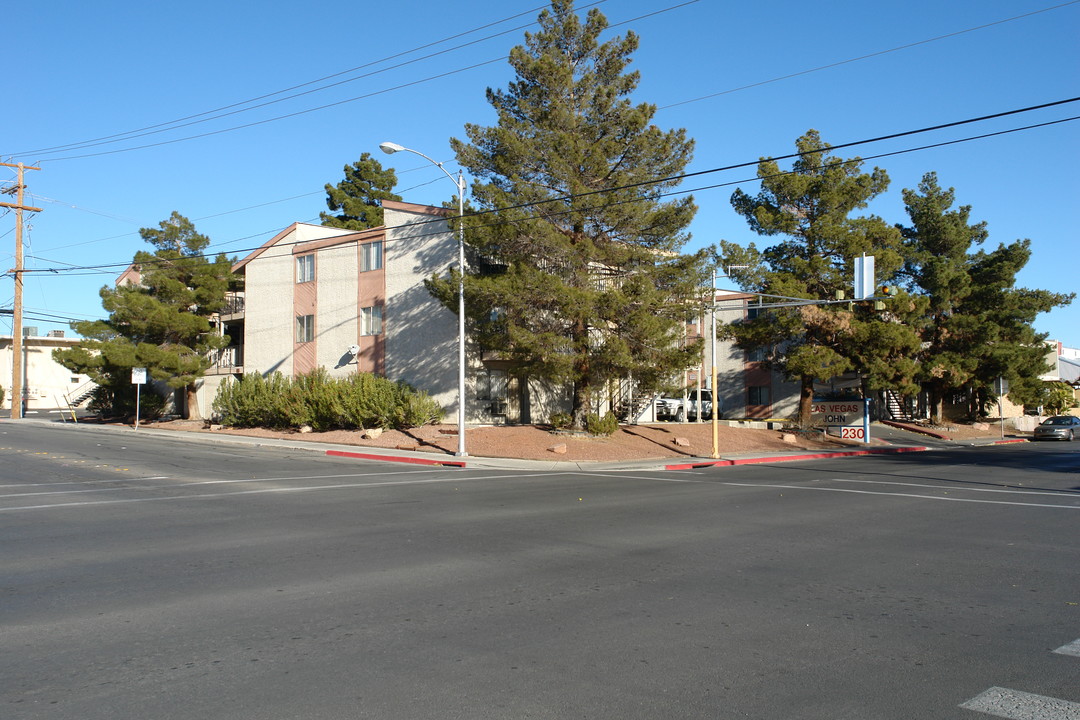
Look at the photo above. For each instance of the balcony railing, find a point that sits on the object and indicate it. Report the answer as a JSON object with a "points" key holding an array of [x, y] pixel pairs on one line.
{"points": [[227, 360], [234, 304]]}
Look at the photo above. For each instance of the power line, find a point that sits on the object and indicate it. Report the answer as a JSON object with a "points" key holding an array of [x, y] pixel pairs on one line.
{"points": [[131, 134], [867, 56], [139, 132], [297, 113], [673, 179]]}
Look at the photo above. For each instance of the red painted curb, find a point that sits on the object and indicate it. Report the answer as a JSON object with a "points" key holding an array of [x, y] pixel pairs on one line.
{"points": [[916, 429], [694, 466], [1007, 442], [395, 458], [792, 458]]}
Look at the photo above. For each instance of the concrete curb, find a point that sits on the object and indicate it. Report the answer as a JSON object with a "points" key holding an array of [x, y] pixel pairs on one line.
{"points": [[792, 458], [491, 463]]}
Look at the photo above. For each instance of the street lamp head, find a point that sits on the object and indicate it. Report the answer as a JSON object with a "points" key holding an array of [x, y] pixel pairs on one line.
{"points": [[390, 148]]}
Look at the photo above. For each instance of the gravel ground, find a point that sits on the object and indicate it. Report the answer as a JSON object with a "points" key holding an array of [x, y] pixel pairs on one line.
{"points": [[533, 442]]}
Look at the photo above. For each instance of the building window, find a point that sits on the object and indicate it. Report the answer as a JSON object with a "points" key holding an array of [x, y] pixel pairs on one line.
{"points": [[757, 355], [371, 320], [371, 256], [759, 395], [305, 328], [305, 268]]}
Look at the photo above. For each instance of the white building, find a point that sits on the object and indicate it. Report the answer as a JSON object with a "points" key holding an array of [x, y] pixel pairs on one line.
{"points": [[47, 385]]}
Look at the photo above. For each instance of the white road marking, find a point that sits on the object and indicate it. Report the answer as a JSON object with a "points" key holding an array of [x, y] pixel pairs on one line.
{"points": [[958, 488], [910, 495], [182, 483], [1072, 648], [262, 491], [1016, 705]]}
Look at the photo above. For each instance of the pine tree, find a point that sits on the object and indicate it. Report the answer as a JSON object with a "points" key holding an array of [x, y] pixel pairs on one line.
{"points": [[580, 279], [162, 322], [811, 208], [356, 198], [978, 326]]}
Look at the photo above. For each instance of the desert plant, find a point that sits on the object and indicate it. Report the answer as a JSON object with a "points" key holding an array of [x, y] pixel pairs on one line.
{"points": [[561, 420], [607, 425], [325, 403]]}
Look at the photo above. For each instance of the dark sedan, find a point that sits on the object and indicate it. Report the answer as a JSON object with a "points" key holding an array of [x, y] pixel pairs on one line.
{"points": [[1059, 427]]}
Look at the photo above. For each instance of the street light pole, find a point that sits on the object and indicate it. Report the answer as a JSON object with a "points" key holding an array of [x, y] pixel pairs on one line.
{"points": [[712, 332], [390, 148]]}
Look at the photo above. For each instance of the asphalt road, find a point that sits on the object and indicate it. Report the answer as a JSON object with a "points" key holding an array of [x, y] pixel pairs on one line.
{"points": [[143, 577]]}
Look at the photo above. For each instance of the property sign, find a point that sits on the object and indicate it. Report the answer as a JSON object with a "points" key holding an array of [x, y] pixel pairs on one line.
{"points": [[138, 376], [850, 418]]}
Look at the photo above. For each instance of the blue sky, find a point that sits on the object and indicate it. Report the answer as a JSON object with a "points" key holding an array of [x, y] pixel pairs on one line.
{"points": [[744, 79]]}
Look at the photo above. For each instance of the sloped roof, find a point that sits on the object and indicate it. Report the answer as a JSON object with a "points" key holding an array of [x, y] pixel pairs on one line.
{"points": [[322, 235]]}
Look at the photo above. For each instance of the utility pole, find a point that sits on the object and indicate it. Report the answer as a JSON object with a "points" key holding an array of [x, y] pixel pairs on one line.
{"points": [[16, 324]]}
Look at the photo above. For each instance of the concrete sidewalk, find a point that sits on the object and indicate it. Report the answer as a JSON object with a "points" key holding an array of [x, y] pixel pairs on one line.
{"points": [[495, 463], [427, 458]]}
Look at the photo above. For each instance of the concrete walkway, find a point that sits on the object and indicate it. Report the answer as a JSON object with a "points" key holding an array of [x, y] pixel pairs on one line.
{"points": [[899, 440]]}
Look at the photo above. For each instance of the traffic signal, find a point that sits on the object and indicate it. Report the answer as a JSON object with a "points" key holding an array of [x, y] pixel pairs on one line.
{"points": [[887, 290]]}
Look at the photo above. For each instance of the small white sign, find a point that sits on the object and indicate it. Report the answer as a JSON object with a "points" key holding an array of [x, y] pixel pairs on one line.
{"points": [[138, 376]]}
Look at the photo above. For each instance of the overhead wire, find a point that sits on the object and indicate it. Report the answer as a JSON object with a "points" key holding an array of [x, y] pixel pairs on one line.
{"points": [[337, 103], [139, 132], [494, 60], [741, 165], [867, 56], [432, 44]]}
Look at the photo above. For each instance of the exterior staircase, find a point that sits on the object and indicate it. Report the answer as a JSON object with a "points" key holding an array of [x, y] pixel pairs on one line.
{"points": [[897, 407], [629, 404]]}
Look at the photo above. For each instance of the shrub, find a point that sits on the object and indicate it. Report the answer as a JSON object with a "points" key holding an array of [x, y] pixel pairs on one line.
{"points": [[325, 403], [561, 420], [120, 402], [596, 425]]}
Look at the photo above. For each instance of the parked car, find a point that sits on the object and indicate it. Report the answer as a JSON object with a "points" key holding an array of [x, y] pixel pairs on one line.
{"points": [[681, 410], [1059, 427]]}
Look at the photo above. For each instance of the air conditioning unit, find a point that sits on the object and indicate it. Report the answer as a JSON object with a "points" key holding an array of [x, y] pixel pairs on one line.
{"points": [[30, 331]]}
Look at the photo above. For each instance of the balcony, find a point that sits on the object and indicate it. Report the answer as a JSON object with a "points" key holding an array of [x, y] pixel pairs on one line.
{"points": [[234, 307], [227, 361]]}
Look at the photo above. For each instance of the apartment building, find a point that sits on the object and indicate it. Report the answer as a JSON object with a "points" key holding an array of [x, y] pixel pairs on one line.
{"points": [[349, 302]]}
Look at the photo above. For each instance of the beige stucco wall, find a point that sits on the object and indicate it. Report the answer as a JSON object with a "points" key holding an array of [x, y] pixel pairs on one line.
{"points": [[268, 323], [421, 334], [336, 326], [45, 380]]}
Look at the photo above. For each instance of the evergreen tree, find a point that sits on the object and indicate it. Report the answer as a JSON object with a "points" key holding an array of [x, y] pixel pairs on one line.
{"points": [[580, 278], [811, 208], [356, 198], [978, 326], [162, 322]]}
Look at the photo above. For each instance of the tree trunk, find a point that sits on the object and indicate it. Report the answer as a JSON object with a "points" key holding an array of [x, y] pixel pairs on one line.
{"points": [[582, 388], [580, 407], [806, 401], [191, 404], [936, 402]]}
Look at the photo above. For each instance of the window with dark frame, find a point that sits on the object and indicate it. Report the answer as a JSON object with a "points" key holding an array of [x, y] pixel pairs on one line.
{"points": [[758, 395]]}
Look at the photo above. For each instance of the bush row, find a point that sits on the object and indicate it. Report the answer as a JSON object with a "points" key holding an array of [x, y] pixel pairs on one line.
{"points": [[358, 401]]}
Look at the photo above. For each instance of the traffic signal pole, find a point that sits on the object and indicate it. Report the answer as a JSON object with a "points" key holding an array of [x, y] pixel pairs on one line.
{"points": [[17, 271]]}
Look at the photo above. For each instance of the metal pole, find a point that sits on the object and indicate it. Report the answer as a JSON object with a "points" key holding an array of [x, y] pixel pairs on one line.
{"points": [[715, 396], [461, 315], [390, 148]]}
